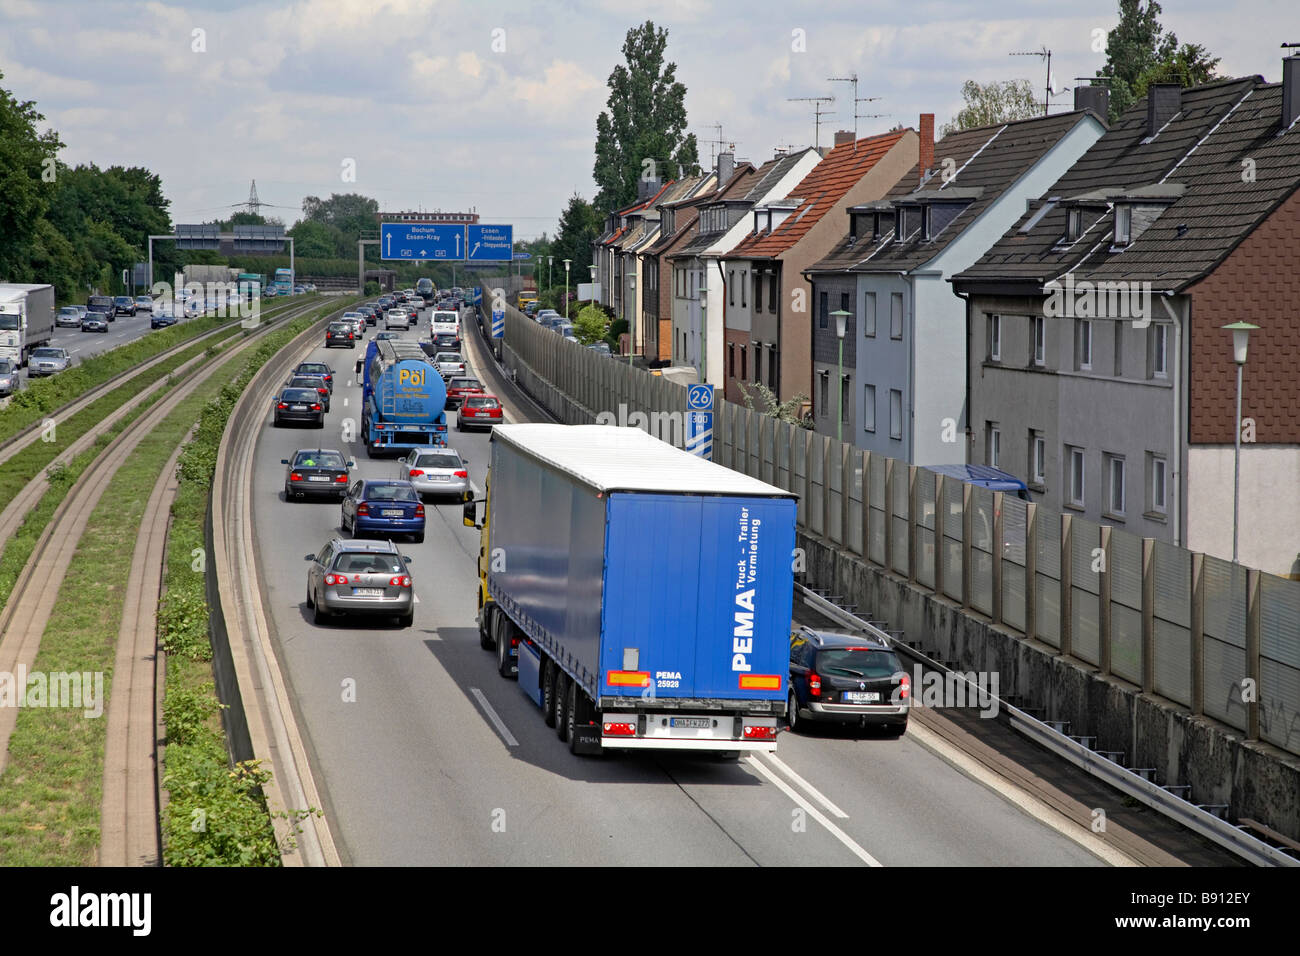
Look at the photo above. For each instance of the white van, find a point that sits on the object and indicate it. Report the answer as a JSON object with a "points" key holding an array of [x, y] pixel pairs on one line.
{"points": [[443, 321]]}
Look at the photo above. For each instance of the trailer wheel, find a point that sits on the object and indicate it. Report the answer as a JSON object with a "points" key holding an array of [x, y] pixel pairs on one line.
{"points": [[562, 706], [577, 712], [548, 692]]}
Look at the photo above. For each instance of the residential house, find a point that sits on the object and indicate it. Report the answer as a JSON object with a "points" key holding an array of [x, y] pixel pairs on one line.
{"points": [[790, 234], [905, 344], [1098, 357]]}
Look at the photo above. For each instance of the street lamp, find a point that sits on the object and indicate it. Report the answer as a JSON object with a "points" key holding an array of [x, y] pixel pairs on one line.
{"points": [[703, 294], [841, 323], [549, 261], [566, 287], [631, 337], [1240, 340]]}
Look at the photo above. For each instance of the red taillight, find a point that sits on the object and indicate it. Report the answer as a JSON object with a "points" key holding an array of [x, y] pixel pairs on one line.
{"points": [[814, 684], [904, 687], [620, 730], [363, 509], [400, 581], [415, 473], [316, 406], [282, 405], [349, 335], [294, 476], [760, 733], [419, 511], [332, 579], [343, 478], [323, 391], [462, 474]]}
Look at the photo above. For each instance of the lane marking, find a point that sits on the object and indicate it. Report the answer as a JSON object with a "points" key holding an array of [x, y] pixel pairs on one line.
{"points": [[345, 401], [813, 812], [812, 791], [497, 722]]}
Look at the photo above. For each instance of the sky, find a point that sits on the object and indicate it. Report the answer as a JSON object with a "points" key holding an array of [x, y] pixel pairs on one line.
{"points": [[491, 106]]}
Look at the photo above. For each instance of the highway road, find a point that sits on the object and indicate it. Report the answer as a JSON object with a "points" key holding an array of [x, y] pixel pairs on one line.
{"points": [[424, 755]]}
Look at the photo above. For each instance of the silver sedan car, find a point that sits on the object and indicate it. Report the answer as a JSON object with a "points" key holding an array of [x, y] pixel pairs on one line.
{"points": [[360, 577], [435, 471], [9, 382]]}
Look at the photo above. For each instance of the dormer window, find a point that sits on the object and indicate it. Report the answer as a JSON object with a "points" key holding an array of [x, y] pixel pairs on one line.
{"points": [[1123, 224], [1074, 227]]}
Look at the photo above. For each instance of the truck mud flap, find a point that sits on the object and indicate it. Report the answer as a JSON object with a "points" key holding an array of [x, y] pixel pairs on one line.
{"points": [[587, 740]]}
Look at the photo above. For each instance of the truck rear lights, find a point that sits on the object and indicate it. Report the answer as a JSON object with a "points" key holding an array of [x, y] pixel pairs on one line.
{"points": [[619, 730], [760, 733], [400, 581], [814, 684]]}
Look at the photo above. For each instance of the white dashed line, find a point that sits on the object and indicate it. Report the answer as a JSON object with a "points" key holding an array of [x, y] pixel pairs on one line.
{"points": [[497, 722], [813, 812], [812, 791]]}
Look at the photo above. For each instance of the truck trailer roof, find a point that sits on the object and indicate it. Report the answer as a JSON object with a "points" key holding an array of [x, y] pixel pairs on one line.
{"points": [[611, 458]]}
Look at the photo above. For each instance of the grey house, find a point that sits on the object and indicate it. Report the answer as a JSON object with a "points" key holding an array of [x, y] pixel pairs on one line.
{"points": [[905, 374]]}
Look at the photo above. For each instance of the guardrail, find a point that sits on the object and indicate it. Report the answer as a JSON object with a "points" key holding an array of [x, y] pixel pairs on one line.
{"points": [[1220, 831]]}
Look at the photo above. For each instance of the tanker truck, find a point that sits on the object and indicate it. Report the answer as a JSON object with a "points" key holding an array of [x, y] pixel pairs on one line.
{"points": [[402, 397]]}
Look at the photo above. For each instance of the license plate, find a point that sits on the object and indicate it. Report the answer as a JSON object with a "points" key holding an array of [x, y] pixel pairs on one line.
{"points": [[439, 478], [391, 513], [317, 478], [860, 697], [367, 592], [702, 723], [299, 408]]}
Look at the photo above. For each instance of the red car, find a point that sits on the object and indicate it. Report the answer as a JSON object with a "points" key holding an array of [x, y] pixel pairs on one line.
{"points": [[478, 411], [458, 387]]}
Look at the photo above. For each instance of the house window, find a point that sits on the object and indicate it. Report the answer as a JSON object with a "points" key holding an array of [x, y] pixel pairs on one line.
{"points": [[1159, 503], [744, 278], [771, 294], [744, 363], [758, 291], [1074, 484], [1159, 351], [869, 408], [771, 367], [896, 315], [995, 338], [824, 403], [1114, 484], [895, 413], [731, 359], [731, 286], [869, 315], [844, 398], [1037, 457], [823, 311], [925, 222], [1119, 348], [844, 302], [758, 362], [992, 444], [1123, 224], [1083, 344], [1040, 340]]}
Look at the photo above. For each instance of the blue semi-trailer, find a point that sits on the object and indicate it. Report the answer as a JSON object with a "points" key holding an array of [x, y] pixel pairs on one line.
{"points": [[641, 595], [402, 399]]}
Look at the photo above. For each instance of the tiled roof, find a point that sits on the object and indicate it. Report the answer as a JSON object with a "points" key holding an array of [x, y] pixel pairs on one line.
{"points": [[1223, 129], [685, 202], [822, 189], [985, 162], [622, 233], [735, 188], [771, 173]]}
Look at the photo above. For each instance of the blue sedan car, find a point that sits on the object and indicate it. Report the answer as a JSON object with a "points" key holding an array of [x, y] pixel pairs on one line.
{"points": [[383, 508]]}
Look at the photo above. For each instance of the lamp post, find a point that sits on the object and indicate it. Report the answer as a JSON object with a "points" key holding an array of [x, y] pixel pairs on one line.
{"points": [[631, 337], [550, 260], [703, 293], [841, 323], [1240, 340], [566, 287]]}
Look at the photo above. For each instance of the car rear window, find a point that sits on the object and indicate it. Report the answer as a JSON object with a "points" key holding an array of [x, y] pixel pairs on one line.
{"points": [[319, 460], [438, 461], [312, 368], [390, 493], [448, 357], [372, 563], [297, 395], [857, 662], [481, 402], [338, 327], [465, 383]]}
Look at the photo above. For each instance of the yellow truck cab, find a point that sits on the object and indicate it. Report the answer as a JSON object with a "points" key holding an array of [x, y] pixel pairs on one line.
{"points": [[470, 520]]}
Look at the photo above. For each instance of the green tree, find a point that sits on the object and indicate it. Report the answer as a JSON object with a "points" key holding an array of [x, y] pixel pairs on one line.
{"points": [[1139, 52], [591, 325], [999, 101], [579, 224], [25, 155], [351, 213], [315, 240], [787, 411], [643, 131]]}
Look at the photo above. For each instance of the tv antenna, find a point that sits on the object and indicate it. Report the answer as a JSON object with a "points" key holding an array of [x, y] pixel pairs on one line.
{"points": [[853, 79], [1044, 54], [818, 112], [715, 145]]}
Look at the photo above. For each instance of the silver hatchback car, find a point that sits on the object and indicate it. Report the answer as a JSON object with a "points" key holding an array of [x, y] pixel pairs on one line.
{"points": [[435, 471], [368, 578]]}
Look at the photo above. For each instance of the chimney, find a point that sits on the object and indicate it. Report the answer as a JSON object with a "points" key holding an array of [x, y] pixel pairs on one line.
{"points": [[1095, 97], [726, 166], [1290, 90], [1164, 100], [925, 155], [645, 188], [843, 136]]}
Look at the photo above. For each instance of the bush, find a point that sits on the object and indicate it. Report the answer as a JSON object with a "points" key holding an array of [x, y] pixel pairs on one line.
{"points": [[185, 712]]}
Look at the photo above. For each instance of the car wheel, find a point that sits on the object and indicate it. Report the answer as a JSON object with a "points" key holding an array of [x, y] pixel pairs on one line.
{"points": [[310, 603], [459, 426], [288, 495], [320, 422], [896, 731], [792, 711], [406, 620], [418, 537], [503, 650], [277, 421], [318, 616], [548, 692], [562, 706]]}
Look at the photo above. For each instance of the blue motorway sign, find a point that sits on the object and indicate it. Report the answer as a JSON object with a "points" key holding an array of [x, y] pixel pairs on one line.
{"points": [[699, 398], [421, 240], [498, 324], [489, 243], [699, 420]]}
